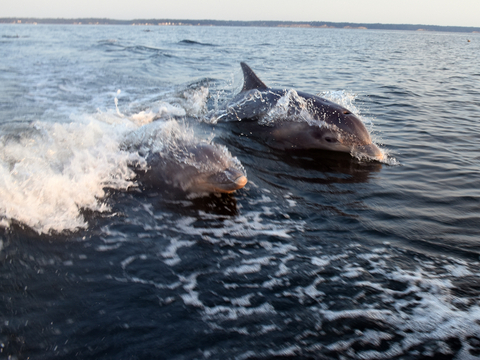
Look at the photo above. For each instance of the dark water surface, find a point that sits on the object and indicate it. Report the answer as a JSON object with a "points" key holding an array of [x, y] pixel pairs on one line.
{"points": [[320, 256]]}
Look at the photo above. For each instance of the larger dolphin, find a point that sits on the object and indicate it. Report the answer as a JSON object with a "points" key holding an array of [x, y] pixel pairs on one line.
{"points": [[297, 120]]}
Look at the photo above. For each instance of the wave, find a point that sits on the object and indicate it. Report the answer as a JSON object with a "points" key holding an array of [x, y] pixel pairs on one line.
{"points": [[111, 45], [192, 42], [50, 171]]}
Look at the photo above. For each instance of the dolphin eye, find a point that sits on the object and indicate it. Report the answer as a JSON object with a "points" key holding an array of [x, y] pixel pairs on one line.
{"points": [[330, 139]]}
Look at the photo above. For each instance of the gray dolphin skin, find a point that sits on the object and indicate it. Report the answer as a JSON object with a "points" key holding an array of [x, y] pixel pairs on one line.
{"points": [[209, 169], [176, 158], [297, 120]]}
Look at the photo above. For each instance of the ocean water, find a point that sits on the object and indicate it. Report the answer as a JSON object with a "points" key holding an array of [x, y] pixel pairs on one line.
{"points": [[320, 256]]}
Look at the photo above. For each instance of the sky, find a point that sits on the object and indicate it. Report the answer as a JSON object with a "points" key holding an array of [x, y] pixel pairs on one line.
{"points": [[427, 12]]}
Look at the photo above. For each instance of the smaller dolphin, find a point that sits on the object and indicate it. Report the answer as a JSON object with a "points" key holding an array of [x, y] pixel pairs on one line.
{"points": [[297, 120], [175, 157]]}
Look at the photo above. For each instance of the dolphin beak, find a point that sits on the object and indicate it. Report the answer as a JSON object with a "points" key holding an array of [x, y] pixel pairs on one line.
{"points": [[371, 151], [229, 180], [241, 181], [237, 178]]}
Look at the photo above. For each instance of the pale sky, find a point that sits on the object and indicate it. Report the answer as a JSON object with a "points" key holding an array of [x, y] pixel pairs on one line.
{"points": [[428, 12]]}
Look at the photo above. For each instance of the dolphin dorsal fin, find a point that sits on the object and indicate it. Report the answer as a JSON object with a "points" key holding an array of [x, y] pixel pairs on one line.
{"points": [[250, 79]]}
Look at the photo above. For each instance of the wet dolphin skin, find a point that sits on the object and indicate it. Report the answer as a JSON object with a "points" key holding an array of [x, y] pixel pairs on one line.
{"points": [[298, 120]]}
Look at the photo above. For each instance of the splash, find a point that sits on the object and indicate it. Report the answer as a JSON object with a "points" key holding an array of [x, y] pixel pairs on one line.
{"points": [[345, 99], [291, 107], [188, 103], [50, 171]]}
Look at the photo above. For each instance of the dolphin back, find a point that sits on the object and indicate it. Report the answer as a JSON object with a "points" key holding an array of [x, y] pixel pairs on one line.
{"points": [[251, 80]]}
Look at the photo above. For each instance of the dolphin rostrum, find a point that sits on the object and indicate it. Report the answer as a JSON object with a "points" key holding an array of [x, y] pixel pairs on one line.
{"points": [[297, 120]]}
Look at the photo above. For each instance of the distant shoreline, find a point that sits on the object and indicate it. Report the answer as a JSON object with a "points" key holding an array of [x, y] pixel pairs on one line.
{"points": [[293, 24]]}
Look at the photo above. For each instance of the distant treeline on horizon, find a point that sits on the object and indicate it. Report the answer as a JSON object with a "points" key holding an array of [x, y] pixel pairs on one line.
{"points": [[299, 24]]}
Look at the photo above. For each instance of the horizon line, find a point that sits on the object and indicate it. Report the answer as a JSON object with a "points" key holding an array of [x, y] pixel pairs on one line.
{"points": [[213, 22]]}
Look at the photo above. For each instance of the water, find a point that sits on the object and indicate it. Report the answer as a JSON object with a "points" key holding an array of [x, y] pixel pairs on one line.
{"points": [[319, 256]]}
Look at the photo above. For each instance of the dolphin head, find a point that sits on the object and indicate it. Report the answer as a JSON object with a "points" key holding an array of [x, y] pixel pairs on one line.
{"points": [[210, 168], [333, 127], [345, 132], [226, 181]]}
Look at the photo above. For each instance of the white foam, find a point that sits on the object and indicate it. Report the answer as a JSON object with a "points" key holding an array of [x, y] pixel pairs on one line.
{"points": [[195, 101], [320, 262], [243, 301], [282, 270], [50, 171], [236, 312], [245, 269], [170, 253], [433, 315], [161, 110], [458, 270], [191, 102], [286, 351], [265, 260], [247, 224], [191, 298]]}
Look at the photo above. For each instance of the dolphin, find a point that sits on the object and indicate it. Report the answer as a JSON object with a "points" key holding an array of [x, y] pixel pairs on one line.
{"points": [[209, 169], [297, 120], [175, 157]]}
